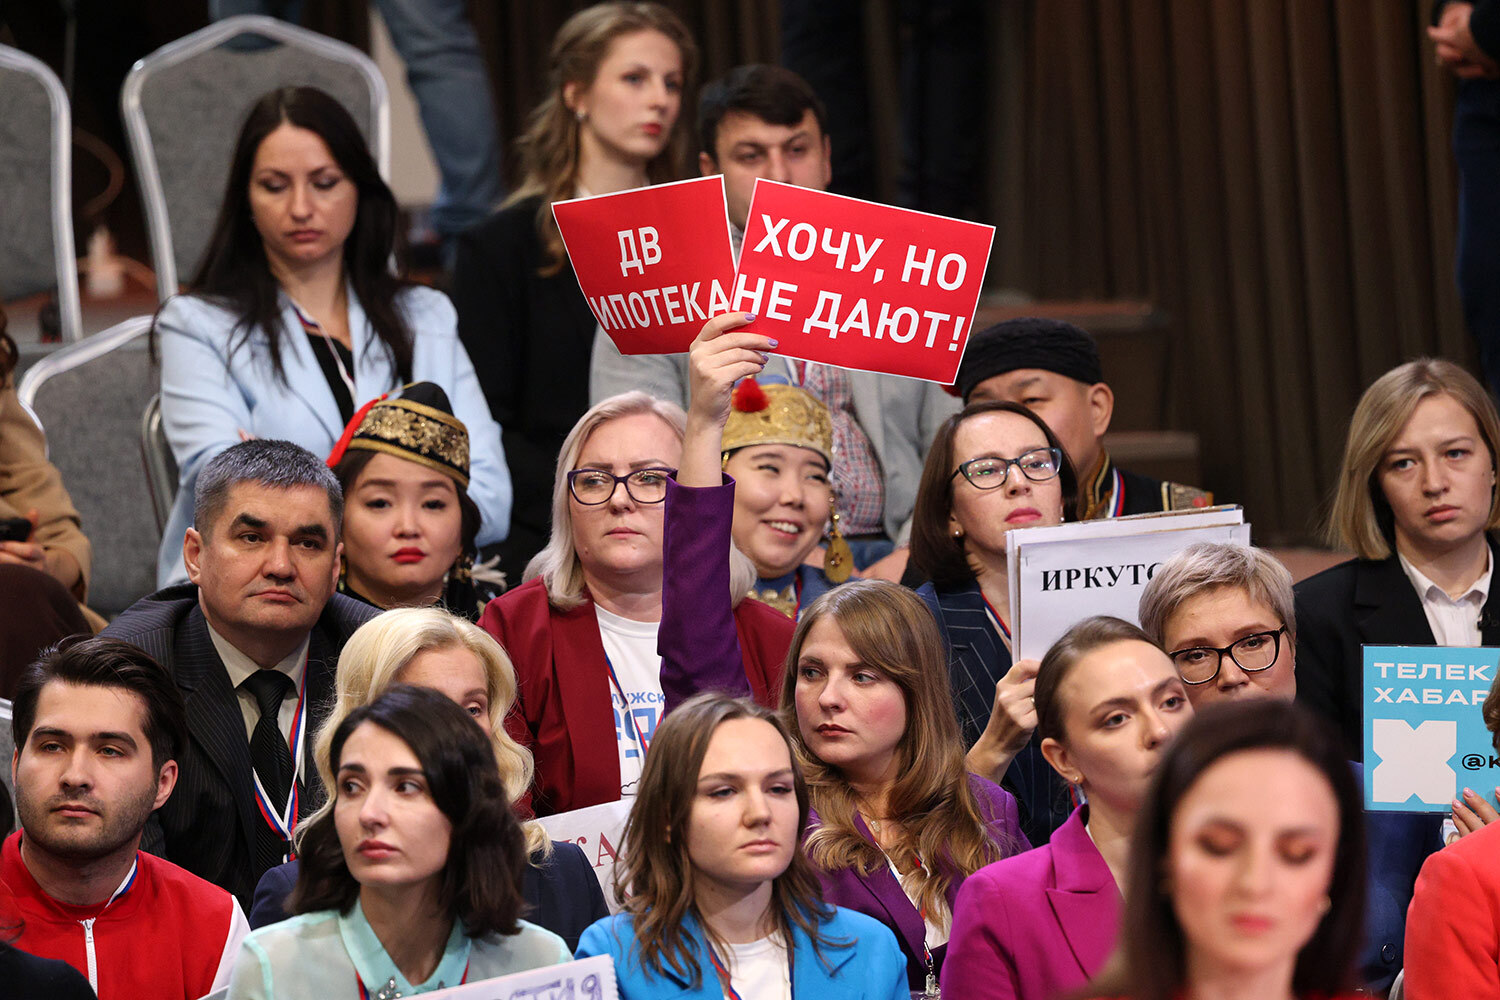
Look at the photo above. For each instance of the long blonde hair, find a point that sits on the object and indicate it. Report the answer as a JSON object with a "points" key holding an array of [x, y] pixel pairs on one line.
{"points": [[558, 564], [372, 661], [1361, 520], [549, 147], [890, 629]]}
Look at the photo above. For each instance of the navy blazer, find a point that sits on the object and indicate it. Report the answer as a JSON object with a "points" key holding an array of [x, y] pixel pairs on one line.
{"points": [[210, 823], [977, 659], [562, 893]]}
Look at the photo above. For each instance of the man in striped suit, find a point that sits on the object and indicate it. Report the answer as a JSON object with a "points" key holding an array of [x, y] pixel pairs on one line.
{"points": [[252, 642]]}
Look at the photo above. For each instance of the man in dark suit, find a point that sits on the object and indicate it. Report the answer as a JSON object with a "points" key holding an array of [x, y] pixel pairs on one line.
{"points": [[1053, 369], [252, 642]]}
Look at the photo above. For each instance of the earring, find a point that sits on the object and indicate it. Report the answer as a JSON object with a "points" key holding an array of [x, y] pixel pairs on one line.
{"points": [[838, 561], [581, 115]]}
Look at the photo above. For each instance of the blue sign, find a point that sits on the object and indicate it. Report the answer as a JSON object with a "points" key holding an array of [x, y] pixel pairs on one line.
{"points": [[1425, 737]]}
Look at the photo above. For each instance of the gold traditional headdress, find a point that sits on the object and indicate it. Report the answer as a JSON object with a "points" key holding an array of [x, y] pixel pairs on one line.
{"points": [[777, 414], [419, 426]]}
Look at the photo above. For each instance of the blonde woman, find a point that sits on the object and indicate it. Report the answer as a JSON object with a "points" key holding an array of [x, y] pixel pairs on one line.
{"points": [[428, 647], [618, 79], [1415, 502], [898, 821], [583, 628]]}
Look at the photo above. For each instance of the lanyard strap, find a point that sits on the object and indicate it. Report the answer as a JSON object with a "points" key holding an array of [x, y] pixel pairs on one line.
{"points": [[724, 981], [625, 706], [284, 822], [995, 618], [1117, 500], [364, 994], [314, 328]]}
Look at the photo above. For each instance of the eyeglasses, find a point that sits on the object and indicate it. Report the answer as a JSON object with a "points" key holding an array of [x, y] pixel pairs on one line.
{"points": [[596, 486], [1038, 465], [1252, 654]]}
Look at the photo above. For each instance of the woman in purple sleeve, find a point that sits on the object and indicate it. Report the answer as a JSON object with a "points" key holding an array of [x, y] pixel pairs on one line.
{"points": [[898, 823], [1039, 925]]}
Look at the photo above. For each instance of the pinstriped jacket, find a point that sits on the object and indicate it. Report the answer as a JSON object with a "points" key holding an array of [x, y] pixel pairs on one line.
{"points": [[209, 824], [977, 659]]}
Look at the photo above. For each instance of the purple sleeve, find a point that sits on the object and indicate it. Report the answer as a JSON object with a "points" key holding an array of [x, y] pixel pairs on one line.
{"points": [[998, 807], [699, 647]]}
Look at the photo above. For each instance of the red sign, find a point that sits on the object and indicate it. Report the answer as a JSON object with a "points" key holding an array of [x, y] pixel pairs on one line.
{"points": [[654, 263], [860, 285]]}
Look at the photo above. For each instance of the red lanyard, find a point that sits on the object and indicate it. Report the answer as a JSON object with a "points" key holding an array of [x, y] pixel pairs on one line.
{"points": [[625, 707], [995, 617]]}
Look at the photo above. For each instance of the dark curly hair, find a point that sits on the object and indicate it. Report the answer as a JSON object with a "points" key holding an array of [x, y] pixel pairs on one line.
{"points": [[487, 850]]}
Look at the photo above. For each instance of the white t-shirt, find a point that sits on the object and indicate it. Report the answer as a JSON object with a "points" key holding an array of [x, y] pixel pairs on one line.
{"points": [[759, 970], [638, 702]]}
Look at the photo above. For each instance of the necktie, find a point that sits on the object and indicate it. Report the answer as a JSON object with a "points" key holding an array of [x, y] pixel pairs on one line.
{"points": [[268, 748]]}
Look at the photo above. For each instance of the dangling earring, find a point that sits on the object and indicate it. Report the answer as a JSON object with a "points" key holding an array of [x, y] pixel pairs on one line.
{"points": [[581, 115], [838, 561]]}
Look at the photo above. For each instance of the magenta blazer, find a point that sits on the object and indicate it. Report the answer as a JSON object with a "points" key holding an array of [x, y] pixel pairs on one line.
{"points": [[1036, 925]]}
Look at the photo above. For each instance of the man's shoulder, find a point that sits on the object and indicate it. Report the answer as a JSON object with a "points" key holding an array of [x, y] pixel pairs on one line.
{"points": [[1145, 494], [154, 616], [343, 615], [177, 888]]}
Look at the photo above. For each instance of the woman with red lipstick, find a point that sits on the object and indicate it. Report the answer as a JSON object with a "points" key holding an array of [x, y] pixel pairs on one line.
{"points": [[618, 76], [1246, 871], [409, 524], [1415, 502], [992, 467], [410, 879], [719, 899], [1108, 703], [295, 318], [899, 823], [599, 661]]}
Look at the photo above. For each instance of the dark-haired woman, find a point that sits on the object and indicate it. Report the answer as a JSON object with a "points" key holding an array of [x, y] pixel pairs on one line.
{"points": [[1108, 703], [1246, 874], [295, 319], [409, 525], [44, 557], [618, 74], [410, 880], [992, 467], [719, 899]]}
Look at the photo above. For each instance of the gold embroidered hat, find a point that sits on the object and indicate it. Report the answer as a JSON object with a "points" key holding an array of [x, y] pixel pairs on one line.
{"points": [[418, 426], [777, 414]]}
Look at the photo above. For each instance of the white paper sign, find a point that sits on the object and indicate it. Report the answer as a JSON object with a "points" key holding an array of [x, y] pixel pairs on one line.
{"points": [[1062, 574], [598, 830], [585, 979]]}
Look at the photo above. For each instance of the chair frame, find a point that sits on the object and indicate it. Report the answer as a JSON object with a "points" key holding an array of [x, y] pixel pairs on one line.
{"points": [[161, 477], [73, 355], [144, 152], [65, 254]]}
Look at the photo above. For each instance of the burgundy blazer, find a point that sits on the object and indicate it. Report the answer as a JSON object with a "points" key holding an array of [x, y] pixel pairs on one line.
{"points": [[1034, 926], [562, 710], [880, 895]]}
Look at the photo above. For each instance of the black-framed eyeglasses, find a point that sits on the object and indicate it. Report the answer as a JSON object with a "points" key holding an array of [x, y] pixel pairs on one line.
{"points": [[596, 486], [1252, 654], [1037, 465]]}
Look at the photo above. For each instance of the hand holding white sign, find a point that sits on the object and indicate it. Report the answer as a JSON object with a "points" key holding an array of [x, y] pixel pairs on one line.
{"points": [[1012, 720]]}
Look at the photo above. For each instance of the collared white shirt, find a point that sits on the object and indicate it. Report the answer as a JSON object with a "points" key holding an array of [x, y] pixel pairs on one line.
{"points": [[1454, 622], [240, 667]]}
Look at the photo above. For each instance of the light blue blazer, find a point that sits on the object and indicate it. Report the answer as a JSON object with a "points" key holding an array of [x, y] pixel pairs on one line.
{"points": [[872, 969], [209, 395]]}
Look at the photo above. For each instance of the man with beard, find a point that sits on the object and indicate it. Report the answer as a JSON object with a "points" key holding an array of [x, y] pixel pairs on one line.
{"points": [[98, 725]]}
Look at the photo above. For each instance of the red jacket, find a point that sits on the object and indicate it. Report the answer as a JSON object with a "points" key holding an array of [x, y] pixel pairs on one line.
{"points": [[562, 709], [167, 935], [1453, 923]]}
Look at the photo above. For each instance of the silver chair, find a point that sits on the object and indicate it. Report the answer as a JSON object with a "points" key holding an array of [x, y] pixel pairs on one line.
{"points": [[89, 397], [161, 467], [36, 187], [183, 106]]}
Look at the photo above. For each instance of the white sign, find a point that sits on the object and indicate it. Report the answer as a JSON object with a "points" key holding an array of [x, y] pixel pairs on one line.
{"points": [[598, 830], [1062, 574], [585, 979]]}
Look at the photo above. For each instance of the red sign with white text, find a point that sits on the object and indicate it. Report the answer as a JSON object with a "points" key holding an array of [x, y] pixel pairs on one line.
{"points": [[654, 263], [851, 283]]}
